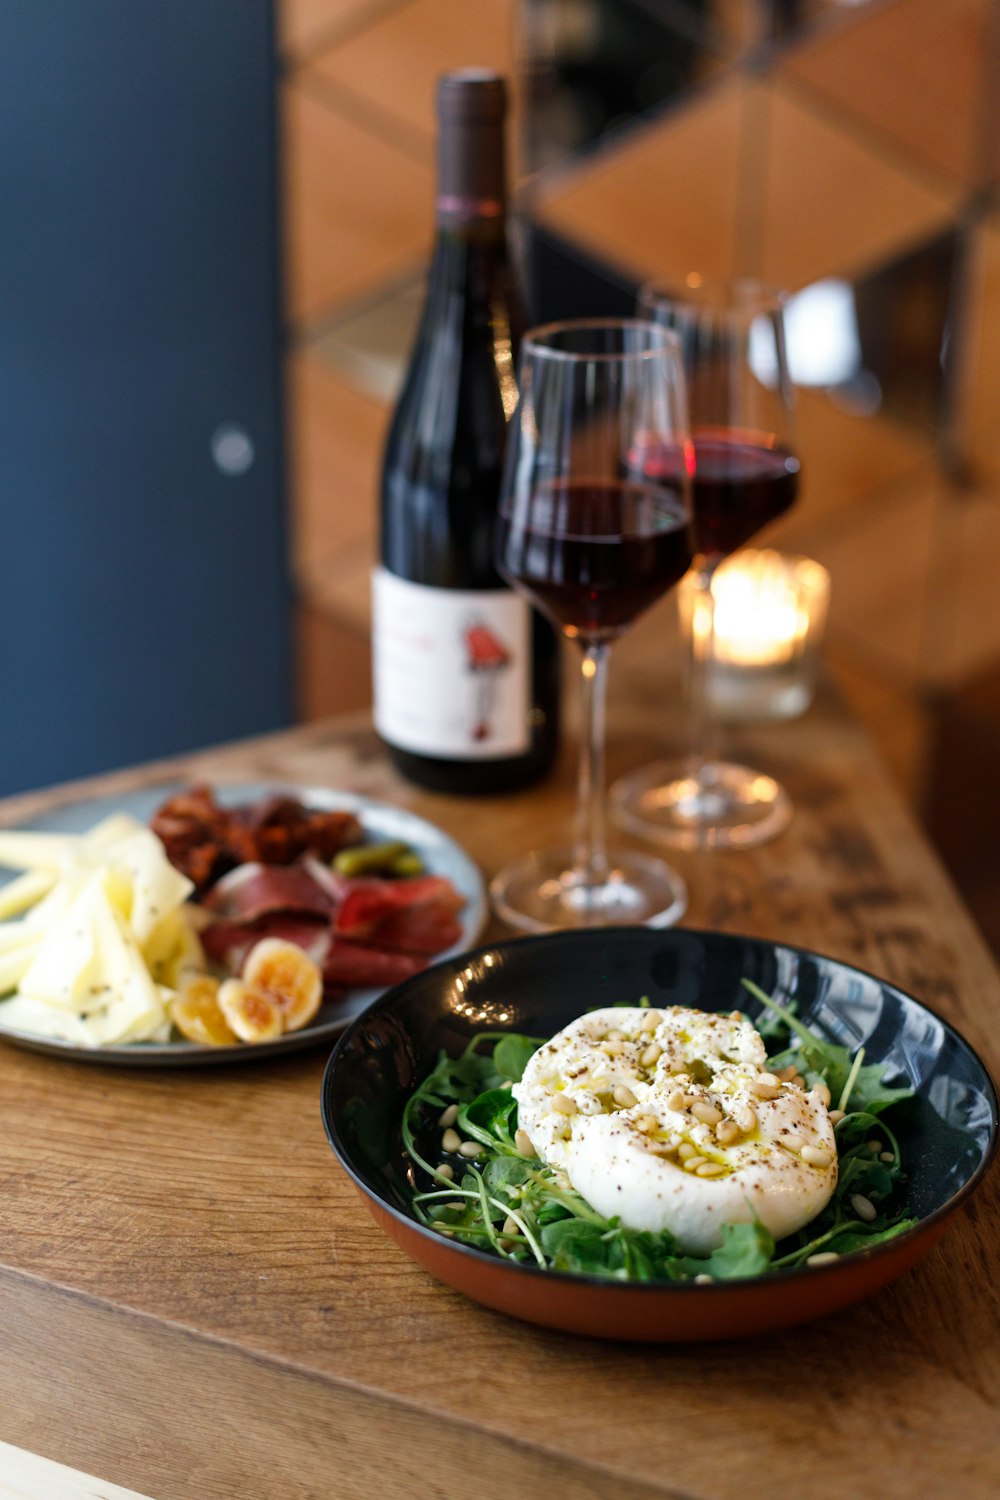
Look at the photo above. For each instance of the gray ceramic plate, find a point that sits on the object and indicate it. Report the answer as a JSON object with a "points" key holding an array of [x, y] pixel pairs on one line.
{"points": [[440, 854]]}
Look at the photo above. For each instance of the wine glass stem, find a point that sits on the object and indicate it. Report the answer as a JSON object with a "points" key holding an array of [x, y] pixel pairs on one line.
{"points": [[702, 653], [590, 858]]}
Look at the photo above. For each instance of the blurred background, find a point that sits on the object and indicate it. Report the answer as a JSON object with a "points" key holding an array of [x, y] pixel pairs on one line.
{"points": [[190, 538]]}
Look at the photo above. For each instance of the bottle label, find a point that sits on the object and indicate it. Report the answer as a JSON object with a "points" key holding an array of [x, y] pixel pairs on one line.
{"points": [[452, 669]]}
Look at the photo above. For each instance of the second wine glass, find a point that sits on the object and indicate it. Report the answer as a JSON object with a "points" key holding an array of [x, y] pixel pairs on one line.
{"points": [[587, 534], [745, 475]]}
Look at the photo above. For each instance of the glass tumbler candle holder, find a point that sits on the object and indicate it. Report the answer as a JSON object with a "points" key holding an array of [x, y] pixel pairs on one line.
{"points": [[760, 638]]}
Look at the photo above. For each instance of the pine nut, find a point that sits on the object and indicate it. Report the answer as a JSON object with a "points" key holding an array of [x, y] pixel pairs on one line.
{"points": [[712, 1169], [864, 1207], [445, 1171], [686, 1151], [449, 1116], [664, 1148], [823, 1258], [771, 1078], [522, 1140], [471, 1148], [787, 1074], [510, 1226], [451, 1140], [694, 1162], [797, 1081], [706, 1113], [764, 1090], [677, 1100], [624, 1096], [836, 1115], [816, 1156], [823, 1094], [793, 1142], [650, 1021], [746, 1119], [646, 1123], [651, 1055], [727, 1131], [613, 1046], [564, 1105]]}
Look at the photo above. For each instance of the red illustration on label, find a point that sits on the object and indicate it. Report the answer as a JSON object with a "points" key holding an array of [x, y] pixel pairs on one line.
{"points": [[485, 657]]}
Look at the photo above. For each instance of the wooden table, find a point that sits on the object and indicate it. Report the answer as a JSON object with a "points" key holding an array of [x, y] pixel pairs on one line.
{"points": [[195, 1304]]}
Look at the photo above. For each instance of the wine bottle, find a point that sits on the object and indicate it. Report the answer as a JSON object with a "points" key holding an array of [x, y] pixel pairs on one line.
{"points": [[465, 672]]}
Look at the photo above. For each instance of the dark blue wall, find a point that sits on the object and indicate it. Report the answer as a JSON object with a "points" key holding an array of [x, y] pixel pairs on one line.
{"points": [[143, 589]]}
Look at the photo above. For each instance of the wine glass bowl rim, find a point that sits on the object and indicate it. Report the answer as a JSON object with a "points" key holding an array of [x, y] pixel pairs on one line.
{"points": [[534, 343], [735, 296]]}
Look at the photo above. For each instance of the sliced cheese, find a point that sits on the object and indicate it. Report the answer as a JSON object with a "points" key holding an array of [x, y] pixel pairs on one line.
{"points": [[17, 895], [24, 850]]}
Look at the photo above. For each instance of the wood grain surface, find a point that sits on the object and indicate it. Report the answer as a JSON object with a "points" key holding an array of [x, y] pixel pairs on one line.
{"points": [[196, 1305]]}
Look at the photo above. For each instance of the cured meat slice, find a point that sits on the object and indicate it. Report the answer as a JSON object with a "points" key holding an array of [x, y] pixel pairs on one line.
{"points": [[352, 965], [254, 890], [228, 943], [345, 964], [417, 916], [418, 930]]}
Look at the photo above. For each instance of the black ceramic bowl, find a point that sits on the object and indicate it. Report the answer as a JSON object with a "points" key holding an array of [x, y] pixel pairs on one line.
{"points": [[947, 1133]]}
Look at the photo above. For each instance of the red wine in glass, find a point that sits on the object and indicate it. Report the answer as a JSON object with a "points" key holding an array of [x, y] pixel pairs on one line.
{"points": [[595, 554], [741, 480]]}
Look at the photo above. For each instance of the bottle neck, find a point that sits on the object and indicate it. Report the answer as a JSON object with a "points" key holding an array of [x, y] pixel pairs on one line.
{"points": [[471, 185]]}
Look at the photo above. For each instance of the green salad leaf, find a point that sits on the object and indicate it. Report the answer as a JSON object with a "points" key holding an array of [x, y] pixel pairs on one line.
{"points": [[511, 1054], [746, 1250], [830, 1063]]}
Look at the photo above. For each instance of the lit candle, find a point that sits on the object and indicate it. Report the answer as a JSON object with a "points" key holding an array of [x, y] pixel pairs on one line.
{"points": [[761, 639]]}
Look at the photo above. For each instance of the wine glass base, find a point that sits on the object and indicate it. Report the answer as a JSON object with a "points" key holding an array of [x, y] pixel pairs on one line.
{"points": [[543, 893], [713, 806]]}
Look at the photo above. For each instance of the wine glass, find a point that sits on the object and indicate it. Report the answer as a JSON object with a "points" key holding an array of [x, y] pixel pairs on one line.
{"points": [[593, 541], [745, 475]]}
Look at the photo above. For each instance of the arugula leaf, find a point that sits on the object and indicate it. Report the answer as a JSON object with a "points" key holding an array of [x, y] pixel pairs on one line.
{"points": [[607, 1248], [746, 1250], [491, 1119], [575, 1245], [512, 1054], [503, 1174], [831, 1063], [859, 1237]]}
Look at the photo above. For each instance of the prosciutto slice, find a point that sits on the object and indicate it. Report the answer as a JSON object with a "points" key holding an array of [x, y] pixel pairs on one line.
{"points": [[415, 916], [345, 964], [228, 943], [255, 890], [350, 964]]}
